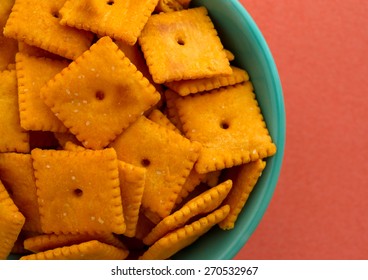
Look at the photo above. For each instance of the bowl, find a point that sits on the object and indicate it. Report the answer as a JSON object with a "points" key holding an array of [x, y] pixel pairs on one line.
{"points": [[240, 34]]}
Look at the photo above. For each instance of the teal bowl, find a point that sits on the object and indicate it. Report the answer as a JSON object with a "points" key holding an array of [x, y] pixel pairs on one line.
{"points": [[240, 34]]}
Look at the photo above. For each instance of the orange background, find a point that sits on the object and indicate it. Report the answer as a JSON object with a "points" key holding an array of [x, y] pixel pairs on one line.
{"points": [[320, 206]]}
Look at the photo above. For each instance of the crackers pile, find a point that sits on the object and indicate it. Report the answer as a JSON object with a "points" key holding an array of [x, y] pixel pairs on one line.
{"points": [[124, 135]]}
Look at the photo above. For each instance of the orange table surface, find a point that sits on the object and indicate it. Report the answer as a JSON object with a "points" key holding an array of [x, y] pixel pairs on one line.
{"points": [[320, 205]]}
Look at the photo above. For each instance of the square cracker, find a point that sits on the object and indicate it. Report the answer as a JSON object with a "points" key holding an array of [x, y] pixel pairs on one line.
{"points": [[16, 173], [180, 238], [90, 250], [230, 127], [8, 46], [199, 205], [36, 22], [186, 87], [44, 242], [183, 45], [244, 179], [13, 137], [11, 223], [33, 73], [78, 191], [93, 97], [152, 146], [119, 19], [132, 182]]}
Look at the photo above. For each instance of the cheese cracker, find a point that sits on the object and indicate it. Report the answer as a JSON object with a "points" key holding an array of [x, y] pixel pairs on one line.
{"points": [[180, 238], [44, 242], [183, 45], [132, 182], [201, 204], [78, 191], [36, 22], [186, 87], [13, 137], [119, 19], [93, 97], [33, 73], [11, 223], [90, 250], [16, 173], [230, 127], [152, 146], [8, 46], [245, 178]]}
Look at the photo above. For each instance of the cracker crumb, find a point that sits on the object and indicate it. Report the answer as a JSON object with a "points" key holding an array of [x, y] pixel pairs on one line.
{"points": [[100, 220]]}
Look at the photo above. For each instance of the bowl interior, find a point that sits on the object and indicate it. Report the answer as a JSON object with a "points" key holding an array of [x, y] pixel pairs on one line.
{"points": [[240, 34]]}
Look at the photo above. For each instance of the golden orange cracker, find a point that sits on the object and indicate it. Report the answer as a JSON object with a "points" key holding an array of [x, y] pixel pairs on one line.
{"points": [[230, 56], [13, 137], [78, 191], [11, 223], [90, 250], [71, 146], [178, 239], [171, 111], [152, 146], [158, 117], [186, 87], [36, 23], [33, 73], [172, 5], [245, 178], [201, 204], [8, 46], [172, 44], [118, 19], [93, 97], [132, 182], [35, 51], [193, 180], [46, 242], [16, 173], [230, 127], [135, 55]]}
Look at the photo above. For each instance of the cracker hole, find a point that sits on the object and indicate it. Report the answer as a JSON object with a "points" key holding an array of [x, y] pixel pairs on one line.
{"points": [[111, 2], [224, 125], [56, 14], [145, 162], [180, 41], [78, 192], [100, 95]]}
